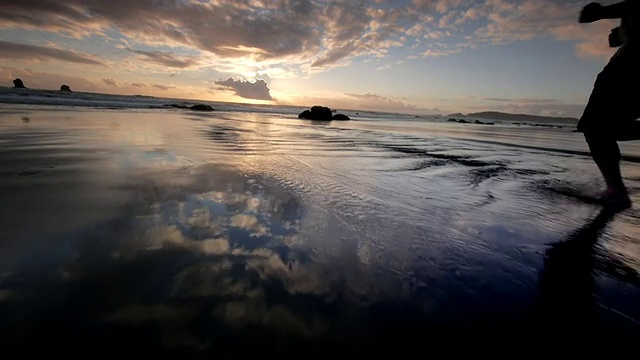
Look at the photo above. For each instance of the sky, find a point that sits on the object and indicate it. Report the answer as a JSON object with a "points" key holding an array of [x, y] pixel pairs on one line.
{"points": [[408, 56]]}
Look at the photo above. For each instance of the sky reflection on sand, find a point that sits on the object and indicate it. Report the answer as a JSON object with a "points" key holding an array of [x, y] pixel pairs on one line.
{"points": [[231, 252], [225, 237]]}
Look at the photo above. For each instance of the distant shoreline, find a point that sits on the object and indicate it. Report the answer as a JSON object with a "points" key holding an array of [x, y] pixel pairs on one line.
{"points": [[486, 115], [496, 115]]}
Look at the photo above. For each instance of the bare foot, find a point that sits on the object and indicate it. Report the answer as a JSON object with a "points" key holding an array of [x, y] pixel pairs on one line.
{"points": [[618, 198]]}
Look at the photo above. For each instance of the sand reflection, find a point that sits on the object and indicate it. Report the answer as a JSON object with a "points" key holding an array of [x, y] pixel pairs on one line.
{"points": [[221, 245]]}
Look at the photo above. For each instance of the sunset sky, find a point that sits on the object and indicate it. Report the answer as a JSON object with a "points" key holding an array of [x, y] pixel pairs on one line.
{"points": [[412, 56]]}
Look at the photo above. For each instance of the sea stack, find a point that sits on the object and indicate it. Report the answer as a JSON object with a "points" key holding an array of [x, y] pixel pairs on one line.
{"points": [[65, 88], [321, 113], [18, 84], [341, 117], [202, 107]]}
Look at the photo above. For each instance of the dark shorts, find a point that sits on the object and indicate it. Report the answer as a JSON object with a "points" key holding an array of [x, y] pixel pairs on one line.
{"points": [[614, 104]]}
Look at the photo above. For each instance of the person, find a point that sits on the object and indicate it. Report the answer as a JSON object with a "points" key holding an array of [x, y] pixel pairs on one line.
{"points": [[614, 104]]}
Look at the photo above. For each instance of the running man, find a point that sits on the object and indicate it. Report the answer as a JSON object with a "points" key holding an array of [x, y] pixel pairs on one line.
{"points": [[614, 105]]}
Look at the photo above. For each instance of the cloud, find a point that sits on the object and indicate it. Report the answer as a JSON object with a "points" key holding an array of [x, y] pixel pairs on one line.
{"points": [[257, 90], [12, 50], [163, 87], [225, 28], [301, 31], [308, 35], [525, 20], [532, 19], [588, 45], [110, 81], [167, 59], [522, 100], [138, 84], [377, 101], [439, 53], [468, 24]]}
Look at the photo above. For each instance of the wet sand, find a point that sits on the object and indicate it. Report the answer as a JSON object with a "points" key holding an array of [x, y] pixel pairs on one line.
{"points": [[226, 234]]}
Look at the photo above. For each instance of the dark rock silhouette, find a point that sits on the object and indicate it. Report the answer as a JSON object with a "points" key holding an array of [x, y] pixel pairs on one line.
{"points": [[65, 88], [177, 106], [201, 107], [463, 121], [494, 115], [305, 115], [197, 107], [482, 122], [317, 113], [341, 117], [18, 84]]}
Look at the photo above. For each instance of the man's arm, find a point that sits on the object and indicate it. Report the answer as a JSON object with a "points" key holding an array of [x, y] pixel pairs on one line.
{"points": [[594, 11], [616, 11]]}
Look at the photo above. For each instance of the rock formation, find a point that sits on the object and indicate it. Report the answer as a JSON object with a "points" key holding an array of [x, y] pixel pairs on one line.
{"points": [[201, 107], [18, 84], [321, 113], [340, 117], [196, 107], [177, 106], [317, 113], [65, 88]]}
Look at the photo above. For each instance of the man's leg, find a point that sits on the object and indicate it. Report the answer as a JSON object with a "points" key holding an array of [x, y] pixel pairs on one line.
{"points": [[606, 154]]}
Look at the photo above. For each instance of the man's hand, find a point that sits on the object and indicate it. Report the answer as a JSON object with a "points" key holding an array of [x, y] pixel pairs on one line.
{"points": [[615, 38], [590, 13]]}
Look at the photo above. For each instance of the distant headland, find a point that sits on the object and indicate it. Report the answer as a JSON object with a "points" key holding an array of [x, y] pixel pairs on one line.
{"points": [[496, 115]]}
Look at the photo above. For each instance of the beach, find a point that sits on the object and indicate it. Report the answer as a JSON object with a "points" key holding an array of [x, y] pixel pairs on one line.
{"points": [[175, 233]]}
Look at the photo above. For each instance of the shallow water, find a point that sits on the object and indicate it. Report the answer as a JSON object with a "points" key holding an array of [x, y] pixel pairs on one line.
{"points": [[181, 234]]}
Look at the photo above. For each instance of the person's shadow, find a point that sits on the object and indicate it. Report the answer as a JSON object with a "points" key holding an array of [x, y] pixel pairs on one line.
{"points": [[567, 310]]}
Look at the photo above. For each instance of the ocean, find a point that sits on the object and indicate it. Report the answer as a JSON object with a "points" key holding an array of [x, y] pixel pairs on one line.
{"points": [[129, 227]]}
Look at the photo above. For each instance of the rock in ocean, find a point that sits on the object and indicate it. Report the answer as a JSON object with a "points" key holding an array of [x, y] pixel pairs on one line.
{"points": [[321, 113], [18, 84]]}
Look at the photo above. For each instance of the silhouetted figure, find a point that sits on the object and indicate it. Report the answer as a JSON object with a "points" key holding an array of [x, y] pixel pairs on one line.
{"points": [[614, 104], [18, 84], [65, 88]]}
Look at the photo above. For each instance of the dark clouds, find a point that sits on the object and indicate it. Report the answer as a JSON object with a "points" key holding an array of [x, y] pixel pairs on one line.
{"points": [[167, 59], [222, 28], [320, 33], [280, 29], [249, 90], [11, 50]]}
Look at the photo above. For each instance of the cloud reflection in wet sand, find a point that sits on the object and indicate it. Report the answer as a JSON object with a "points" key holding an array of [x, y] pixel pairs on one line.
{"points": [[200, 260]]}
